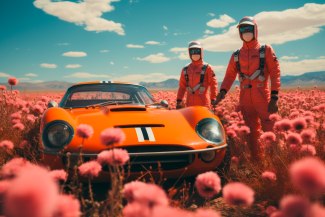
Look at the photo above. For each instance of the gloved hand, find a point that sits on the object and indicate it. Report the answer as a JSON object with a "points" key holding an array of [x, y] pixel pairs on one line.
{"points": [[179, 104], [273, 106], [221, 95]]}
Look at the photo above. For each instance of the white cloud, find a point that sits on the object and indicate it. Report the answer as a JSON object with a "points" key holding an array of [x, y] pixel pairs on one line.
{"points": [[181, 51], [321, 57], [165, 27], [275, 27], [152, 42], [31, 75], [289, 58], [223, 21], [87, 75], [112, 63], [300, 67], [125, 67], [208, 32], [134, 46], [146, 77], [155, 58], [87, 13], [48, 65], [4, 75], [211, 14], [183, 56], [104, 51], [73, 66], [178, 49], [74, 54]]}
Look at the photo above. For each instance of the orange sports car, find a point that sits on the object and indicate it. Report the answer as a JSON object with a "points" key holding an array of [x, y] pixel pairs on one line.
{"points": [[161, 140]]}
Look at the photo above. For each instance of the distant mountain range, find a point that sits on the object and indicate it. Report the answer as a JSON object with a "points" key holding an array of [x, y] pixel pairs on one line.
{"points": [[306, 79]]}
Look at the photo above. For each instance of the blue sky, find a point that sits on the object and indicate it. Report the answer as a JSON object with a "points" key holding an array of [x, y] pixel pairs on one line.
{"points": [[146, 40]]}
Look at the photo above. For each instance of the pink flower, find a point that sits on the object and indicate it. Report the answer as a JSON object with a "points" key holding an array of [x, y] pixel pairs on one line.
{"points": [[234, 160], [275, 117], [237, 193], [308, 149], [37, 110], [268, 175], [2, 87], [16, 115], [231, 133], [294, 138], [12, 81], [244, 130], [32, 194], [85, 131], [317, 210], [293, 206], [19, 126], [13, 167], [283, 125], [59, 175], [162, 211], [270, 209], [7, 144], [113, 157], [308, 135], [206, 213], [308, 175], [129, 188], [136, 210], [23, 144], [299, 124], [151, 196], [90, 169], [67, 206], [268, 137], [112, 136], [208, 184]]}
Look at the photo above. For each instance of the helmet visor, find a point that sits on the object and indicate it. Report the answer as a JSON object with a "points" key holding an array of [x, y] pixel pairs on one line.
{"points": [[246, 28], [194, 51]]}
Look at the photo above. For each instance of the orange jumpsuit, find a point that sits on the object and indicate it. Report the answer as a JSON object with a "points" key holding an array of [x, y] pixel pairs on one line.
{"points": [[210, 81], [254, 94]]}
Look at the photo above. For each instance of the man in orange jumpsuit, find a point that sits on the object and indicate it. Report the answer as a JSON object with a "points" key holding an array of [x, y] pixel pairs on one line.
{"points": [[196, 78], [254, 64]]}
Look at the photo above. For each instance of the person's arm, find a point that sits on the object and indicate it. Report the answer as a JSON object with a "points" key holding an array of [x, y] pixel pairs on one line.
{"points": [[273, 67], [212, 83], [181, 90]]}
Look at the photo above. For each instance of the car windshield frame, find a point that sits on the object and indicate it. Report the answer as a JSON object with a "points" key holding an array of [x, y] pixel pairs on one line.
{"points": [[130, 89]]}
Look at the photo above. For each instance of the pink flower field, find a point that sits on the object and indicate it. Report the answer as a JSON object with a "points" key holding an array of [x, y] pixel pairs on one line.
{"points": [[288, 181]]}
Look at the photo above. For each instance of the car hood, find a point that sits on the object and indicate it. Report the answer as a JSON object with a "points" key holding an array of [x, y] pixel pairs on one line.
{"points": [[142, 125]]}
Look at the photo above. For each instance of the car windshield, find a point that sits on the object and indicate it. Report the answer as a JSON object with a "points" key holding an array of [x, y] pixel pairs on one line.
{"points": [[105, 94]]}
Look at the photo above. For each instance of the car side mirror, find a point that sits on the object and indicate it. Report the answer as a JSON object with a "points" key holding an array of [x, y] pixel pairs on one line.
{"points": [[52, 104], [164, 103]]}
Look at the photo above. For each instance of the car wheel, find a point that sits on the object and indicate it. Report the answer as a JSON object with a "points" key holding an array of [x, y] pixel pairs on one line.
{"points": [[224, 167]]}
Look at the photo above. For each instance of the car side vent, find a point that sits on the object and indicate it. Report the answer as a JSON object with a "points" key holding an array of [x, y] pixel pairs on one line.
{"points": [[127, 109]]}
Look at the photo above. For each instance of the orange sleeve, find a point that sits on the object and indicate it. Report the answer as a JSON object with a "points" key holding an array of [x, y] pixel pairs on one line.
{"points": [[231, 74], [212, 82], [273, 67], [182, 86]]}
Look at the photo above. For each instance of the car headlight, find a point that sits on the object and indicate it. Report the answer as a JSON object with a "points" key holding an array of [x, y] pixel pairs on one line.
{"points": [[210, 130], [57, 134]]}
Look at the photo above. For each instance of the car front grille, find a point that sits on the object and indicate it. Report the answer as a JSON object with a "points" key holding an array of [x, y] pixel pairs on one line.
{"points": [[150, 163]]}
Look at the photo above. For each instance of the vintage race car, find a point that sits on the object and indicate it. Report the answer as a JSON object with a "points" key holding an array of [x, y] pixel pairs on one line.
{"points": [[160, 140]]}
